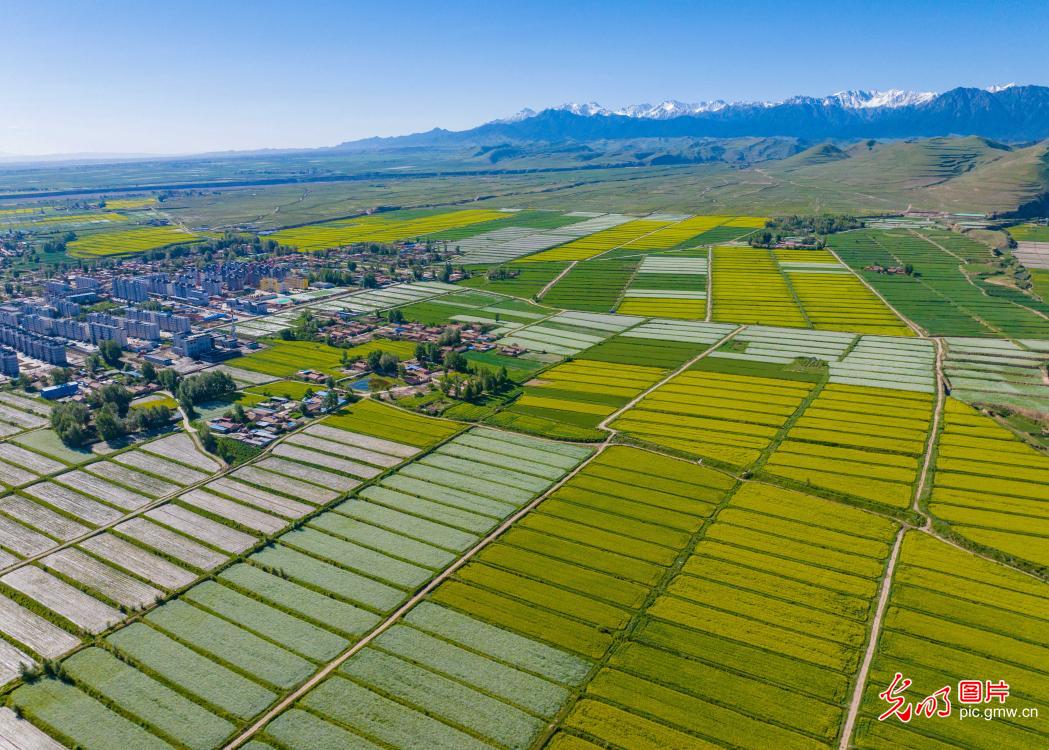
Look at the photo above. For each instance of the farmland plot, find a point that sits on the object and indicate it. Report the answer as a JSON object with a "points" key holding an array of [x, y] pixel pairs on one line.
{"points": [[197, 527], [725, 417], [999, 372], [748, 287], [343, 448], [942, 300], [509, 243], [286, 477], [34, 633], [686, 232], [180, 447], [74, 503], [22, 735], [668, 286], [21, 540], [595, 286], [953, 617], [568, 399], [29, 460], [97, 487], [379, 228], [990, 487], [326, 461], [242, 516], [75, 606], [146, 565], [887, 362], [259, 498], [43, 519], [784, 345], [129, 241], [760, 611], [136, 481], [170, 543], [494, 652], [378, 420], [598, 242], [22, 413], [570, 332], [527, 279], [110, 583], [859, 441], [230, 645], [160, 467], [833, 298]]}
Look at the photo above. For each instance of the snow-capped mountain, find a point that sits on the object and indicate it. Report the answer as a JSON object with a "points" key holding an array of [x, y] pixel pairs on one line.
{"points": [[892, 98], [670, 108], [1015, 113]]}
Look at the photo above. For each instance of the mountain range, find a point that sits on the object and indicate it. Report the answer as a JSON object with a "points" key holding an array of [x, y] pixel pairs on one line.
{"points": [[1012, 113]]}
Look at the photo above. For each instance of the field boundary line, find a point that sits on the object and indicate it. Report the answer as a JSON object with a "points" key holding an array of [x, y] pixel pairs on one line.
{"points": [[397, 614], [934, 428], [626, 287], [872, 643], [603, 425], [635, 239], [710, 284], [162, 500], [917, 329], [968, 280], [545, 289], [793, 292]]}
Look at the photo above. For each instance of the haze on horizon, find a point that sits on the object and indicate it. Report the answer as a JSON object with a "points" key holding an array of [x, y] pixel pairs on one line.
{"points": [[110, 78]]}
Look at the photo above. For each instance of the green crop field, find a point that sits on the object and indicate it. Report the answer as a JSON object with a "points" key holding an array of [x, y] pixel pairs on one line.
{"points": [[594, 286], [285, 358]]}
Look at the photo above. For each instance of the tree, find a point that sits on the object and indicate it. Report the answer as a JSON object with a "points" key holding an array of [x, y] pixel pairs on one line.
{"points": [[450, 336], [455, 361], [238, 413], [369, 281], [60, 375], [149, 372], [446, 273], [207, 440], [207, 386], [395, 316], [374, 359], [113, 394], [427, 351], [147, 418], [168, 379], [388, 363], [110, 351], [331, 400], [108, 423], [69, 421]]}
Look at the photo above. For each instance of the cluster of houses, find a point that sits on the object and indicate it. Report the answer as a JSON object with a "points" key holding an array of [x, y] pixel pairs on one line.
{"points": [[266, 421], [890, 270]]}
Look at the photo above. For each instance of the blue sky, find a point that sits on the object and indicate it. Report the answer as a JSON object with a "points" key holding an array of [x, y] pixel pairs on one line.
{"points": [[187, 76]]}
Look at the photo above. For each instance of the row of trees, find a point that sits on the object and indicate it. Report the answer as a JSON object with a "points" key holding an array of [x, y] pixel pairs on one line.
{"points": [[810, 229], [479, 382], [113, 417]]}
